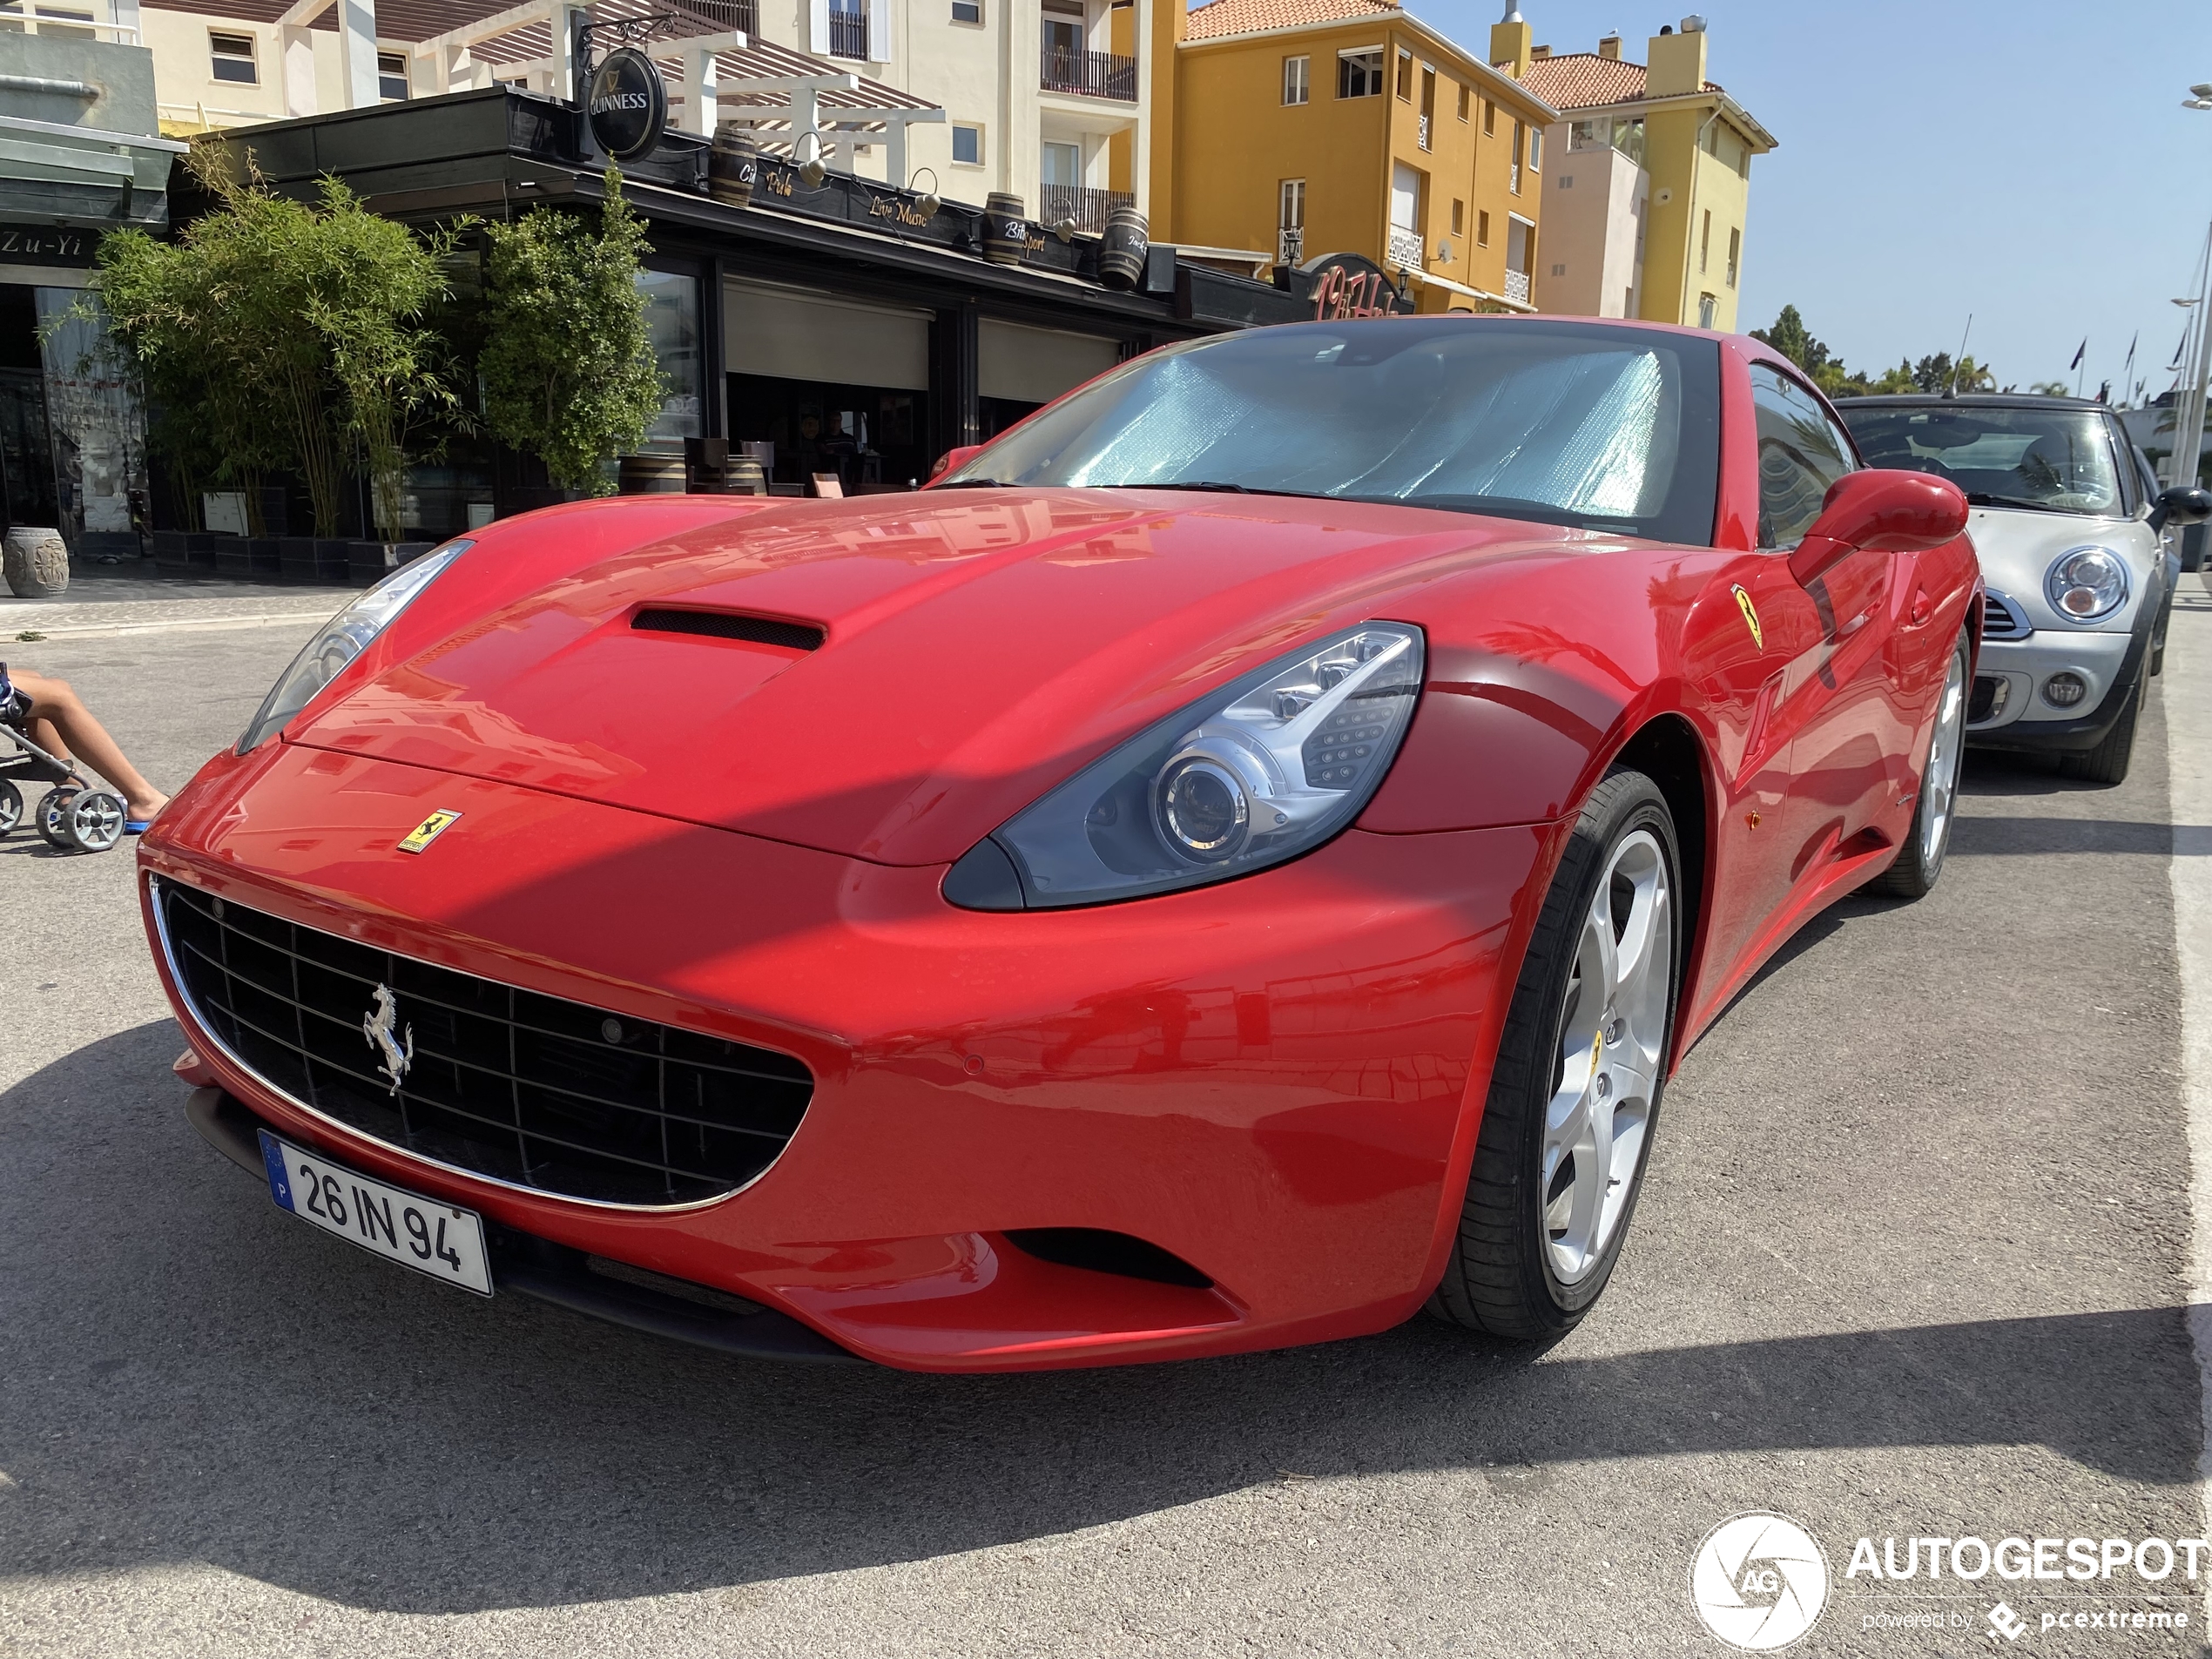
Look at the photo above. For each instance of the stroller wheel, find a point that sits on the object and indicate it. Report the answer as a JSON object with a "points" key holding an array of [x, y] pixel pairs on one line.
{"points": [[94, 821], [51, 825], [11, 806]]}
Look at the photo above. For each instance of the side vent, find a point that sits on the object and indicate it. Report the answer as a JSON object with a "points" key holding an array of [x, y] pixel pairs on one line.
{"points": [[1106, 1252], [728, 624]]}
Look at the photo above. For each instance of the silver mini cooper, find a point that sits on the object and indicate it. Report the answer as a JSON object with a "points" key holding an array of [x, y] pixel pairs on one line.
{"points": [[2071, 531]]}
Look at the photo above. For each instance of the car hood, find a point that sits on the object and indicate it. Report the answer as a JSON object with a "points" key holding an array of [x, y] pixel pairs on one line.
{"points": [[2016, 548], [976, 648]]}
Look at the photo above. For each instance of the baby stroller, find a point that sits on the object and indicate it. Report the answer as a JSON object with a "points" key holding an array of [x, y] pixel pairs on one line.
{"points": [[76, 815]]}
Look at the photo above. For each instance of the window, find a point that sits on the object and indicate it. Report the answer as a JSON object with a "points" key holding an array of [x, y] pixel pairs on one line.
{"points": [[391, 77], [1489, 118], [1482, 229], [1514, 177], [1064, 165], [233, 59], [1459, 216], [1360, 74], [1709, 311], [1297, 78], [1567, 181], [1735, 252], [2060, 460], [1801, 453], [967, 11], [1404, 196], [1559, 270], [1705, 245], [1536, 149], [1465, 97], [671, 306], [968, 146], [1291, 206], [1590, 135], [1406, 75]]}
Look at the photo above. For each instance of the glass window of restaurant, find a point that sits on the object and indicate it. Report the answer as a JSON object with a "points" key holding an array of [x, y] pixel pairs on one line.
{"points": [[821, 385]]}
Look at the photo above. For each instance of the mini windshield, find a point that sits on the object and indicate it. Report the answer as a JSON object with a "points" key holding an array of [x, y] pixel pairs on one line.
{"points": [[1605, 429], [2055, 460]]}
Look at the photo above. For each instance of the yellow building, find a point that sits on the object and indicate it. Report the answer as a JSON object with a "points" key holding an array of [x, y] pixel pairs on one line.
{"points": [[1650, 178], [1305, 127]]}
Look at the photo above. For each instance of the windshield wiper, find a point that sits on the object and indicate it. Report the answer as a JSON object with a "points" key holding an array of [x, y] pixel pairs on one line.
{"points": [[1982, 498], [1216, 486]]}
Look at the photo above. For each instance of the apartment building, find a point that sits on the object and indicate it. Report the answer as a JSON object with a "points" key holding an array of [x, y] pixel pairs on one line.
{"points": [[1305, 127], [1647, 197]]}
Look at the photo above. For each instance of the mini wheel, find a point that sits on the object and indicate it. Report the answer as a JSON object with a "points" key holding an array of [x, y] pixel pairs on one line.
{"points": [[11, 806], [51, 825], [93, 821]]}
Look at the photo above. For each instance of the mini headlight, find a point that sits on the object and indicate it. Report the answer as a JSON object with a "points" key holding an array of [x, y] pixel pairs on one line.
{"points": [[2087, 583], [341, 639], [1266, 769]]}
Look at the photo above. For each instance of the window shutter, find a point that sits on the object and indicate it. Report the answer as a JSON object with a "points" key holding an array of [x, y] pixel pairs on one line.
{"points": [[880, 32], [818, 40]]}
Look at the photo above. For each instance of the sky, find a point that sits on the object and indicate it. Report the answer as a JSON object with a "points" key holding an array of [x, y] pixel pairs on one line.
{"points": [[2029, 162]]}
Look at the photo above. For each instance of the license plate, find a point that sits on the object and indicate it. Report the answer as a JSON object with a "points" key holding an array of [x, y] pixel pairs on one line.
{"points": [[439, 1239]]}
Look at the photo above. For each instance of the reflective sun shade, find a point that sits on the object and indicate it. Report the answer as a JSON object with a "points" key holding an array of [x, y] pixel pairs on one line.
{"points": [[341, 639], [1268, 768]]}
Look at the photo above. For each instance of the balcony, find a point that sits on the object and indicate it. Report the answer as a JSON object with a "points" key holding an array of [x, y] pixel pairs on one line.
{"points": [[1517, 286], [1427, 122], [1403, 249], [1290, 245], [1516, 178], [848, 35], [1087, 74], [1088, 207]]}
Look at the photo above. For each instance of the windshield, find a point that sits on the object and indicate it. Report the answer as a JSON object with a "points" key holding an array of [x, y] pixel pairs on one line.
{"points": [[2057, 460], [1605, 429]]}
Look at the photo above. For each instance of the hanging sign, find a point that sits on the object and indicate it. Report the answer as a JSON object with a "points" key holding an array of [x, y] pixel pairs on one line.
{"points": [[1348, 285], [627, 103]]}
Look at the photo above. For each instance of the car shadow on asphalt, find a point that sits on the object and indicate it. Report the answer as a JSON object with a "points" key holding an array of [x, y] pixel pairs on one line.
{"points": [[190, 1375]]}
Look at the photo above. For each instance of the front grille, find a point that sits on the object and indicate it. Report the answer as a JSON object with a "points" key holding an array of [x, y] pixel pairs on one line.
{"points": [[529, 1090], [2002, 619]]}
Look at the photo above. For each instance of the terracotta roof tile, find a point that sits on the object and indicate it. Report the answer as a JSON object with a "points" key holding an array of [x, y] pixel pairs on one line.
{"points": [[1583, 80], [1249, 16]]}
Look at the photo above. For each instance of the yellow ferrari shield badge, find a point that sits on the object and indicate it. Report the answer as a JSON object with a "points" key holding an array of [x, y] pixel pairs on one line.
{"points": [[428, 831], [1750, 617]]}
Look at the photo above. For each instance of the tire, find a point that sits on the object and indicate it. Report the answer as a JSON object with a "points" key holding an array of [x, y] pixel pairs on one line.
{"points": [[52, 827], [2107, 762], [1920, 860], [1538, 1234], [11, 806], [94, 821]]}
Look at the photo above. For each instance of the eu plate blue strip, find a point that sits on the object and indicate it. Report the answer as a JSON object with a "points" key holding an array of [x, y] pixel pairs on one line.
{"points": [[273, 1156]]}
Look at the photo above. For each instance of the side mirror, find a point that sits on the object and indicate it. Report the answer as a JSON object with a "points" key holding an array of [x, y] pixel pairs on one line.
{"points": [[952, 459], [2181, 504], [1885, 510]]}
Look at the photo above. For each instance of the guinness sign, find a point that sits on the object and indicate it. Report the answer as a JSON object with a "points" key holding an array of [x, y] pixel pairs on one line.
{"points": [[626, 103]]}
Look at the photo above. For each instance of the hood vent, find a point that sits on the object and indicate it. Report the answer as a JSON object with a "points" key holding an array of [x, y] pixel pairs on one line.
{"points": [[728, 624]]}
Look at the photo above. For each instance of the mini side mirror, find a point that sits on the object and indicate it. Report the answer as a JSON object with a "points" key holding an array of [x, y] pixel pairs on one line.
{"points": [[953, 458], [1886, 510], [2181, 504]]}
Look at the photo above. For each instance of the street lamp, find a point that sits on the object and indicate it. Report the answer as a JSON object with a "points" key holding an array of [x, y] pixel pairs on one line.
{"points": [[2188, 417]]}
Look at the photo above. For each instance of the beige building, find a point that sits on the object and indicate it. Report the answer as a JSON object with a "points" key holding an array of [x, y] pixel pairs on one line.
{"points": [[1645, 203]]}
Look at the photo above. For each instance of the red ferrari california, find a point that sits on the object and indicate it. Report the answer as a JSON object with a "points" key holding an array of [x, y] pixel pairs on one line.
{"points": [[1232, 863]]}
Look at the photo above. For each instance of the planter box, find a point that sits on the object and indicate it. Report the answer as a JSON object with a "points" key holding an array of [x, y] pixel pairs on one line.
{"points": [[233, 556], [308, 561], [408, 552], [366, 561], [201, 547], [265, 556], [172, 552]]}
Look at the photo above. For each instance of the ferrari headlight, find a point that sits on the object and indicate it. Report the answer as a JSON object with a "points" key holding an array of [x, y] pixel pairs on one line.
{"points": [[1266, 769], [341, 639], [2087, 583]]}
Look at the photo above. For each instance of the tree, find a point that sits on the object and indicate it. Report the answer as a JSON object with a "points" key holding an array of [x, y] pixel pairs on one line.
{"points": [[1788, 335], [271, 330], [566, 365], [2050, 389]]}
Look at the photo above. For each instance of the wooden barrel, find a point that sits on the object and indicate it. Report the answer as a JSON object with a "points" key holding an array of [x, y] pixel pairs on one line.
{"points": [[746, 478], [1121, 250], [733, 165], [1006, 228], [651, 475]]}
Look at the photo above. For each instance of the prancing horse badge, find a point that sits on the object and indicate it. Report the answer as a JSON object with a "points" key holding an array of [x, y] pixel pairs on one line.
{"points": [[441, 821], [1743, 602]]}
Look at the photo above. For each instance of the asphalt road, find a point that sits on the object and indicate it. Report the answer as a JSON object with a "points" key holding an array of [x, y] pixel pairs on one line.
{"points": [[1912, 1260]]}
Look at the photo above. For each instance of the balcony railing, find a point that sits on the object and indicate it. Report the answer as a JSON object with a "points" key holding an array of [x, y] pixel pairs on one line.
{"points": [[848, 35], [1517, 286], [1516, 178], [1426, 123], [1087, 74], [1290, 245], [1404, 249], [1088, 207]]}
